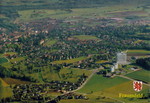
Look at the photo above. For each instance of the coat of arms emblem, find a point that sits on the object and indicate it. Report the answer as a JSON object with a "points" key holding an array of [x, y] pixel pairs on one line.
{"points": [[137, 85]]}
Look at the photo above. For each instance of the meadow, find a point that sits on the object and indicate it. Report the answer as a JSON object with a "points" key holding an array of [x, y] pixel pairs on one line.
{"points": [[3, 60], [143, 75], [111, 11], [70, 60], [17, 59], [102, 61], [65, 74], [99, 83], [138, 52], [85, 37], [5, 90], [99, 86], [49, 42]]}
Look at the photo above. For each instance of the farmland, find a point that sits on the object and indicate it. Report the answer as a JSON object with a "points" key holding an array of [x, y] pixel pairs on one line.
{"points": [[70, 60], [100, 86], [140, 75], [99, 83], [5, 90], [17, 59], [49, 42], [11, 81], [102, 61], [3, 60], [85, 37], [138, 52], [66, 74]]}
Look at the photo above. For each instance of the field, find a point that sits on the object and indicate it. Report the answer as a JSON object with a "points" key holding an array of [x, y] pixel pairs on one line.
{"points": [[111, 11], [99, 83], [70, 60], [50, 42], [17, 59], [85, 37], [102, 61], [65, 74], [3, 60], [11, 81], [10, 53], [5, 90], [143, 75], [100, 86], [138, 52]]}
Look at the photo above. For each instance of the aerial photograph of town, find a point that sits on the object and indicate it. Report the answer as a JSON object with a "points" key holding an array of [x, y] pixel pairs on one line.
{"points": [[74, 51]]}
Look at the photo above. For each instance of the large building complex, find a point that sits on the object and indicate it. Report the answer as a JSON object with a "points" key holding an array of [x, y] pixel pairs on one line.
{"points": [[121, 58]]}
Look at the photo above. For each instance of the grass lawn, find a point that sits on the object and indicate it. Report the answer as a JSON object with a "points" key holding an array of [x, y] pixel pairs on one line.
{"points": [[143, 75], [85, 37], [70, 60], [3, 60], [17, 59], [99, 83]]}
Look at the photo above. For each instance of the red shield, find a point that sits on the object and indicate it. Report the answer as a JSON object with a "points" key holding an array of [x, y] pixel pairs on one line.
{"points": [[137, 85]]}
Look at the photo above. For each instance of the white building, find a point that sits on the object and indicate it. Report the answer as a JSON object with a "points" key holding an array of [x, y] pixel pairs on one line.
{"points": [[121, 58], [113, 69]]}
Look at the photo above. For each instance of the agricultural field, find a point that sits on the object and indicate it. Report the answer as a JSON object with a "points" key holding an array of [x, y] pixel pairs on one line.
{"points": [[102, 61], [99, 83], [10, 53], [100, 86], [143, 75], [111, 11], [3, 60], [90, 100], [85, 37], [138, 52], [11, 81], [70, 60], [5, 90], [65, 74], [49, 42], [17, 59], [7, 65]]}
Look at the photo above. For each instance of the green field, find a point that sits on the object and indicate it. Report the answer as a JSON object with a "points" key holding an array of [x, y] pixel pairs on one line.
{"points": [[138, 51], [99, 83], [70, 60], [85, 37], [50, 42], [65, 74], [143, 75], [5, 90], [99, 86], [10, 53], [17, 59], [3, 60], [102, 61]]}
